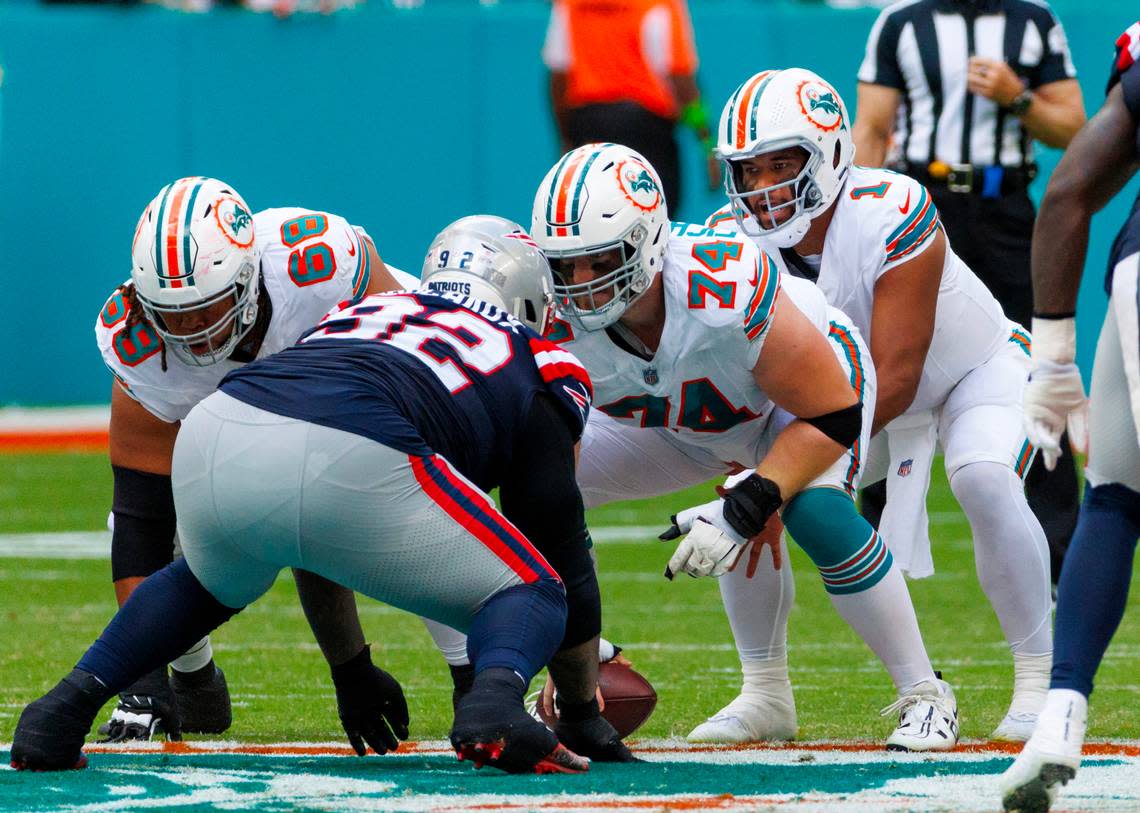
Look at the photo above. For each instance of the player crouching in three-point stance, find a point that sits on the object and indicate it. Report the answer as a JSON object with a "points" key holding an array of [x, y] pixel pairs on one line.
{"points": [[213, 286], [951, 367], [1093, 589], [705, 361], [364, 454]]}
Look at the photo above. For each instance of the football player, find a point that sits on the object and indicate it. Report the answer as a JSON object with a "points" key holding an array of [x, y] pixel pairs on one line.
{"points": [[705, 362], [365, 454], [213, 286], [1094, 583], [951, 366]]}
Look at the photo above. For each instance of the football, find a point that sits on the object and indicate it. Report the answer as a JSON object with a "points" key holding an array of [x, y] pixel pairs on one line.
{"points": [[630, 698]]}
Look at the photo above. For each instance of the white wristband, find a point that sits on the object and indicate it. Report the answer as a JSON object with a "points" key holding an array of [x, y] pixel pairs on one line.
{"points": [[1055, 340]]}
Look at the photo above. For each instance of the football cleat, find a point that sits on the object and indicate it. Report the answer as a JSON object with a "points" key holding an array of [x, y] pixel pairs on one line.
{"points": [[1051, 756], [202, 699], [51, 730], [1016, 726], [492, 728], [594, 738], [142, 717], [754, 716], [928, 718]]}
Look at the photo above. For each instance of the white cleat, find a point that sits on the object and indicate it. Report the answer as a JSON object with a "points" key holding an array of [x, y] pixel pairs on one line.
{"points": [[928, 718], [1051, 756], [750, 718], [1016, 726]]}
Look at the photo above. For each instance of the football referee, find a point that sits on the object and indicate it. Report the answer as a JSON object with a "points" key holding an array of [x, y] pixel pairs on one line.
{"points": [[953, 93]]}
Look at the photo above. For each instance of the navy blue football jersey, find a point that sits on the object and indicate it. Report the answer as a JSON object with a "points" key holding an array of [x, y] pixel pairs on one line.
{"points": [[1126, 73], [424, 373]]}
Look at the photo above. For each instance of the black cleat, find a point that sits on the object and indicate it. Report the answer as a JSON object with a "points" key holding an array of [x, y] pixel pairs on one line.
{"points": [[203, 699], [492, 728], [146, 709], [51, 730], [594, 738]]}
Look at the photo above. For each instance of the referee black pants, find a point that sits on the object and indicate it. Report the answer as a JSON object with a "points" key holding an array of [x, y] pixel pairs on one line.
{"points": [[993, 237], [635, 127]]}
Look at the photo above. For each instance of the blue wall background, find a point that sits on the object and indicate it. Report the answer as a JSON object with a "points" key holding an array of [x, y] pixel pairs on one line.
{"points": [[399, 120]]}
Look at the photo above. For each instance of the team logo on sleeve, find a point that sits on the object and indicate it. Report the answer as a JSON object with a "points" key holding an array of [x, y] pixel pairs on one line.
{"points": [[638, 185], [820, 105], [234, 221]]}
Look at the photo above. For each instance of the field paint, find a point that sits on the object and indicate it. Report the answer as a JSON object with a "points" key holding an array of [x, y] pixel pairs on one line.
{"points": [[822, 777]]}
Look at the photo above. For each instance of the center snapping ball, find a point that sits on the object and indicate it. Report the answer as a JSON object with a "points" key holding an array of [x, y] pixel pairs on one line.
{"points": [[630, 698]]}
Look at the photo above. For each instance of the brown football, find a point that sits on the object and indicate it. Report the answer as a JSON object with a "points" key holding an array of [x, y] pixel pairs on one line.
{"points": [[630, 698]]}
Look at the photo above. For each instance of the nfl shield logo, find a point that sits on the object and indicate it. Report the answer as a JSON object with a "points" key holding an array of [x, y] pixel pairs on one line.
{"points": [[650, 376], [905, 466]]}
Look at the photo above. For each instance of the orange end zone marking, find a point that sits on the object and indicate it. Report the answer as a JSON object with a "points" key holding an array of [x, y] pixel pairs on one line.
{"points": [[82, 440], [318, 749]]}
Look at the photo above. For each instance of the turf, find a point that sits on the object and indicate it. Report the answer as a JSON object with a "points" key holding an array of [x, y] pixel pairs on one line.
{"points": [[675, 633]]}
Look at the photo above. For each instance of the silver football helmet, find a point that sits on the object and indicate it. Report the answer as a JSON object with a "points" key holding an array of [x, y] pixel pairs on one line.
{"points": [[494, 260]]}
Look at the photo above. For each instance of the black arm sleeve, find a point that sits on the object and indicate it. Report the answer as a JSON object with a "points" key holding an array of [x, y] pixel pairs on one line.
{"points": [[540, 496], [142, 541]]}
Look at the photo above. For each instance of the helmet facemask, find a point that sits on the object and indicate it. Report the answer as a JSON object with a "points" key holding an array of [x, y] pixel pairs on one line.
{"points": [[620, 287], [806, 201], [223, 335]]}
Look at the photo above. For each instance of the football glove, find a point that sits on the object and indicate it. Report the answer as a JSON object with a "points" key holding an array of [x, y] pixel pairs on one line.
{"points": [[1054, 397], [706, 550], [371, 705]]}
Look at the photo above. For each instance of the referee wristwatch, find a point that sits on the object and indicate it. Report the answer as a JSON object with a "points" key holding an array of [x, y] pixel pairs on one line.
{"points": [[1021, 102]]}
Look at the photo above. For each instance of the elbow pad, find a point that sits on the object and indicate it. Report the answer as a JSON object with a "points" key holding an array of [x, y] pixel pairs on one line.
{"points": [[843, 425]]}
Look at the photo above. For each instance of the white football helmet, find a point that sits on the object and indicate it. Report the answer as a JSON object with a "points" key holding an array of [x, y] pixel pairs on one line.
{"points": [[775, 110], [597, 198], [193, 253], [492, 259]]}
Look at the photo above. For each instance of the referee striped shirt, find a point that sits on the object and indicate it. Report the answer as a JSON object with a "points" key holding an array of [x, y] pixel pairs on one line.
{"points": [[921, 48]]}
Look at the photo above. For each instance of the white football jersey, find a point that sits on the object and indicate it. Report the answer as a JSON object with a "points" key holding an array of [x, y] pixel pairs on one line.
{"points": [[310, 261], [720, 295], [882, 220]]}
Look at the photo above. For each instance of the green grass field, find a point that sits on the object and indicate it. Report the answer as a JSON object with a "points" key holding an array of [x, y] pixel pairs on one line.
{"points": [[675, 633]]}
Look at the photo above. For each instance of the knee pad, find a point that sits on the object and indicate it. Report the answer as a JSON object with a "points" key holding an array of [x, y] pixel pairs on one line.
{"points": [[850, 555]]}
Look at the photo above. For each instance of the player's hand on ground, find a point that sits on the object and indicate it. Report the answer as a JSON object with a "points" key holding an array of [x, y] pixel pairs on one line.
{"points": [[1055, 398], [371, 705]]}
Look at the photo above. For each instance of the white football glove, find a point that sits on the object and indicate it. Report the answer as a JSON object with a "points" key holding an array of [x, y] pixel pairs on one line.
{"points": [[710, 512], [1054, 398], [705, 551]]}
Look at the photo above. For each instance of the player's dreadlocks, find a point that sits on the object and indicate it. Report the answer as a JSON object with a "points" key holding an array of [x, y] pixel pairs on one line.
{"points": [[137, 316]]}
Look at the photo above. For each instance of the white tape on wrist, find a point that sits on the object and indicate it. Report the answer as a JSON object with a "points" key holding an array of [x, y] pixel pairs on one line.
{"points": [[1054, 340]]}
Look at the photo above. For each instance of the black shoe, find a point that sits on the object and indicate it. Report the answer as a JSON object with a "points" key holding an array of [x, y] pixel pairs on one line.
{"points": [[203, 699], [492, 728], [595, 739], [583, 730], [146, 710], [51, 730]]}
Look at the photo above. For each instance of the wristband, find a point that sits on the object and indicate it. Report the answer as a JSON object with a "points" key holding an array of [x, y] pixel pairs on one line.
{"points": [[1054, 340], [749, 504]]}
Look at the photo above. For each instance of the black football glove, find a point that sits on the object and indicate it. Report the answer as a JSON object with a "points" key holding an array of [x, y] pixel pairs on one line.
{"points": [[371, 705]]}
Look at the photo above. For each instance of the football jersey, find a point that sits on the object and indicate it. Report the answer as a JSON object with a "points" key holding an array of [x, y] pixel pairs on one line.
{"points": [[721, 293], [422, 373], [882, 220], [310, 261], [1126, 73]]}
